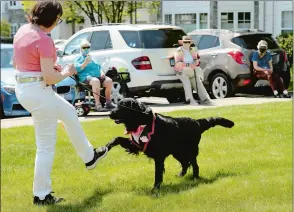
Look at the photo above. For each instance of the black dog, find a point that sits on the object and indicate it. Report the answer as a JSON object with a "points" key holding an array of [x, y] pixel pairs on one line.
{"points": [[159, 136]]}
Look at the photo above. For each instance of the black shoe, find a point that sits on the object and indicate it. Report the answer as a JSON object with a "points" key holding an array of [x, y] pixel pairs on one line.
{"points": [[287, 96], [276, 96], [98, 155], [49, 200]]}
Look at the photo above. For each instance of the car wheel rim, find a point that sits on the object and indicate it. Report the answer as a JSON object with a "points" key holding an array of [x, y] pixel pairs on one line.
{"points": [[80, 111], [115, 93], [219, 88]]}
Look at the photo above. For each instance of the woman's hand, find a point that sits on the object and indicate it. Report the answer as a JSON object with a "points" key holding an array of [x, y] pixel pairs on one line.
{"points": [[69, 70], [57, 68]]}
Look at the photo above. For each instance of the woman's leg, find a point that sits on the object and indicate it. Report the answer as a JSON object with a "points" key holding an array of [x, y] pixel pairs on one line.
{"points": [[187, 86], [107, 83], [198, 84], [95, 83], [38, 101]]}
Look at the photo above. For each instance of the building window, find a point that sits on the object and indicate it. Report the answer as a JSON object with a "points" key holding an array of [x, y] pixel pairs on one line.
{"points": [[287, 22], [203, 21], [186, 21], [12, 3], [13, 30], [244, 20], [168, 18], [227, 20]]}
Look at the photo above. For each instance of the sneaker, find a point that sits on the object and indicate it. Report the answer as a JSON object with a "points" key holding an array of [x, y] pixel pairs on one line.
{"points": [[110, 105], [49, 200], [99, 108], [287, 96], [98, 155], [207, 102], [193, 103]]}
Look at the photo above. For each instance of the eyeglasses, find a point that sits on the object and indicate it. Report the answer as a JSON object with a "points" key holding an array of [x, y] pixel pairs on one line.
{"points": [[59, 21], [186, 41], [86, 47]]}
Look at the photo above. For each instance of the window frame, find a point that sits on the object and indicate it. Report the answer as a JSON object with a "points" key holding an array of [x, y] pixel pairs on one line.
{"points": [[283, 19], [201, 21], [193, 20], [244, 20], [226, 21], [170, 17]]}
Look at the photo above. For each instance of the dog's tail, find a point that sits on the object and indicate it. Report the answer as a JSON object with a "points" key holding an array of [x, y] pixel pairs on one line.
{"points": [[207, 123]]}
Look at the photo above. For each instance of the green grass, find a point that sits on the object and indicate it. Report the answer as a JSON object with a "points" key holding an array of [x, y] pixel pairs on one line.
{"points": [[291, 81], [246, 168]]}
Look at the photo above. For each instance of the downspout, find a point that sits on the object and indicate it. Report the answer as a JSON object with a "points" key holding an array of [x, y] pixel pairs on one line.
{"points": [[264, 2], [273, 27]]}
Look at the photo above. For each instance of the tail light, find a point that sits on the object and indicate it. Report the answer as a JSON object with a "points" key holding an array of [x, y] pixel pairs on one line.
{"points": [[142, 63], [246, 81], [238, 57], [285, 56]]}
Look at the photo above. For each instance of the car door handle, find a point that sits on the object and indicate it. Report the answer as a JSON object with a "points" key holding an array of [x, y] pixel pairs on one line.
{"points": [[213, 54]]}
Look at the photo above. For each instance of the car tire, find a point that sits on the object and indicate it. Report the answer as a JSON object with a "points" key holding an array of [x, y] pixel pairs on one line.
{"points": [[220, 86], [175, 97]]}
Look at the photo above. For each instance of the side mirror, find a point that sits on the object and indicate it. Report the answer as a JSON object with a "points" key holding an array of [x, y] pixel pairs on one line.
{"points": [[59, 53]]}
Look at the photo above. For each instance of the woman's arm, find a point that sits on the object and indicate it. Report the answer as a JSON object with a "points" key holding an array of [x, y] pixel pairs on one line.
{"points": [[256, 67], [50, 76]]}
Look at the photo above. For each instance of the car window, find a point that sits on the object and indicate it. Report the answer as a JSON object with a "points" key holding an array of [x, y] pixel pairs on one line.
{"points": [[131, 38], [161, 38], [208, 41], [6, 58], [251, 41], [99, 40], [73, 47], [196, 39]]}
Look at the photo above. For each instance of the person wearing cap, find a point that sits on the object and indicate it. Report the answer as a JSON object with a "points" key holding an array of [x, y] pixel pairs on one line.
{"points": [[263, 69], [186, 61], [89, 72]]}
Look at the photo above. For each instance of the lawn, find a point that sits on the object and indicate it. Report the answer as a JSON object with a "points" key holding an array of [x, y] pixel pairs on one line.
{"points": [[246, 168]]}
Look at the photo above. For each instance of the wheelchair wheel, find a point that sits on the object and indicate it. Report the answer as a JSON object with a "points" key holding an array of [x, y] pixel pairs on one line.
{"points": [[82, 110]]}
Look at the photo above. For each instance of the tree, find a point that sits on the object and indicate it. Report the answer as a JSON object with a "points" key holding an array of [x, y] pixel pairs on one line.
{"points": [[71, 14], [5, 28]]}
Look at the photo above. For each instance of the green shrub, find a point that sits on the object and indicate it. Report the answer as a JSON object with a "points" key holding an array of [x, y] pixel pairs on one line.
{"points": [[286, 42]]}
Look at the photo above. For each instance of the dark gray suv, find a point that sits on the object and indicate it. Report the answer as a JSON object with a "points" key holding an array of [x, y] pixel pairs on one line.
{"points": [[225, 57]]}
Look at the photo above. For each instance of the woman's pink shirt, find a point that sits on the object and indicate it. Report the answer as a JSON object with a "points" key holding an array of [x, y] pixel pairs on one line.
{"points": [[30, 45]]}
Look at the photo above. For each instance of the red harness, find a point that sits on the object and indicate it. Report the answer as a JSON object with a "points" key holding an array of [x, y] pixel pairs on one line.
{"points": [[139, 140]]}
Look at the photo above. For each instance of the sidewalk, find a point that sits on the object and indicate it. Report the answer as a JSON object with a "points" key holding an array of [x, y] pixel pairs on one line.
{"points": [[158, 105]]}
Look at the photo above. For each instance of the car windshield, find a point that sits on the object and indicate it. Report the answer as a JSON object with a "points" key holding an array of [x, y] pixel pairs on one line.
{"points": [[251, 41], [6, 58], [152, 39]]}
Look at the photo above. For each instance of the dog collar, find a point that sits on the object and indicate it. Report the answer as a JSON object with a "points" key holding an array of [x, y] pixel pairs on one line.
{"points": [[142, 136]]}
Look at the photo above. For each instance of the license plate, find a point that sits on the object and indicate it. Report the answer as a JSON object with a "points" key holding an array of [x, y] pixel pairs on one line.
{"points": [[172, 62]]}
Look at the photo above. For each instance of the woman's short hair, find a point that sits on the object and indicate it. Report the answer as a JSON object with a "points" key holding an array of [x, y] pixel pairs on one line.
{"points": [[45, 12]]}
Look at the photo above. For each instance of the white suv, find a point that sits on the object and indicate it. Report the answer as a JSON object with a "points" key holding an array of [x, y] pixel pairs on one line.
{"points": [[138, 48]]}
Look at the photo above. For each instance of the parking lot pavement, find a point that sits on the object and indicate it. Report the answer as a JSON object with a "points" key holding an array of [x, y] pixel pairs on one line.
{"points": [[158, 105]]}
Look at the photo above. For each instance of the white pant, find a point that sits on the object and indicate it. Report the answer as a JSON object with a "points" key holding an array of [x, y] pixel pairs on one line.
{"points": [[187, 77], [47, 108]]}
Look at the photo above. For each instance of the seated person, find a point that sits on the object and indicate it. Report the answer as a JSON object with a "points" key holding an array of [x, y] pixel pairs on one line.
{"points": [[186, 60], [263, 69], [90, 73]]}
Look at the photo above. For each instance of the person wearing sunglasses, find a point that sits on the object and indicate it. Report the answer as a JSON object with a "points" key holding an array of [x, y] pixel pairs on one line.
{"points": [[187, 60], [34, 60], [263, 69], [90, 73]]}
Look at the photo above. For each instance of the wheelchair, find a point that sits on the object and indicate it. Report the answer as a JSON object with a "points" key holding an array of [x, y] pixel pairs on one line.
{"points": [[119, 91]]}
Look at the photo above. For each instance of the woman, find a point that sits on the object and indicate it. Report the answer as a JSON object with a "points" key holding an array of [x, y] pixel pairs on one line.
{"points": [[186, 61], [34, 60], [263, 69], [90, 73]]}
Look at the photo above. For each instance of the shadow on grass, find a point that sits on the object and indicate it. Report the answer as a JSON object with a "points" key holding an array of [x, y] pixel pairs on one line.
{"points": [[86, 205], [186, 184]]}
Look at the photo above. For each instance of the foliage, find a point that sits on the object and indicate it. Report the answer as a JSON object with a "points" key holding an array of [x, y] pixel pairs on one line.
{"points": [[286, 42], [5, 28]]}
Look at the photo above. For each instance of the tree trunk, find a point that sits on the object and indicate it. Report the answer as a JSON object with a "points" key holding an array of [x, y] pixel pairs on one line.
{"points": [[131, 12], [73, 27], [135, 12]]}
